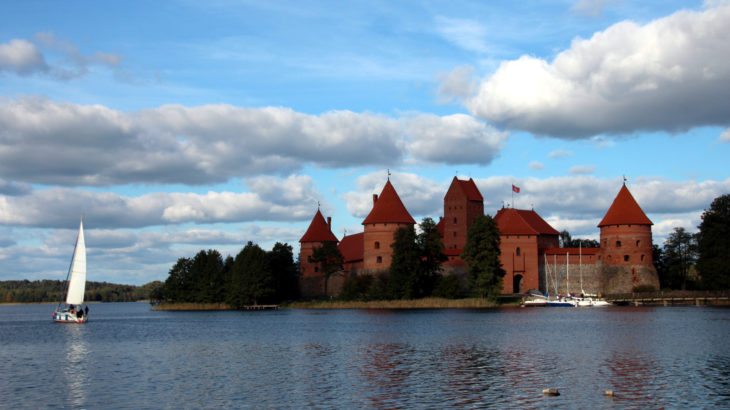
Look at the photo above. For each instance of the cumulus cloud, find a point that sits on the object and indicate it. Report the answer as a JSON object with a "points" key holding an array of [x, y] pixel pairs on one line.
{"points": [[457, 85], [111, 210], [670, 74], [48, 142], [454, 139], [560, 153], [47, 54], [21, 57], [592, 8], [421, 196]]}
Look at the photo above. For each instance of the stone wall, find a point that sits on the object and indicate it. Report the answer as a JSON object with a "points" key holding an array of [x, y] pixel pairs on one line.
{"points": [[570, 277]]}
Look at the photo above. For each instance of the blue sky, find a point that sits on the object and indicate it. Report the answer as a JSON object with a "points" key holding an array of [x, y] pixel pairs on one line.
{"points": [[181, 125]]}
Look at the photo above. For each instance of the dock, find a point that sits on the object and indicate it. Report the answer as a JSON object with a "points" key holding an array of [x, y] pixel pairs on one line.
{"points": [[261, 307], [672, 298]]}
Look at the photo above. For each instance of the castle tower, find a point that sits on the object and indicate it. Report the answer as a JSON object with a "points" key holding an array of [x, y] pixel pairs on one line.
{"points": [[319, 232], [388, 214], [463, 203], [626, 246]]}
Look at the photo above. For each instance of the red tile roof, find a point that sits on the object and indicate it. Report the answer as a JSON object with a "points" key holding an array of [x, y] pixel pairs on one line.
{"points": [[625, 211], [388, 208], [470, 190], [319, 230], [352, 247], [512, 221]]}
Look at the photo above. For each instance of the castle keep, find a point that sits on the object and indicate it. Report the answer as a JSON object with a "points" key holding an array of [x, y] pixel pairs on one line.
{"points": [[530, 252]]}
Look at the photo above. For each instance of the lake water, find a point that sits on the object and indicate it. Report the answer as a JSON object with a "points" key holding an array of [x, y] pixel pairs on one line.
{"points": [[128, 356]]}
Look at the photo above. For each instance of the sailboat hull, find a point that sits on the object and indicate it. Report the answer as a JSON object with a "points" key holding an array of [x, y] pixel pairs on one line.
{"points": [[67, 317]]}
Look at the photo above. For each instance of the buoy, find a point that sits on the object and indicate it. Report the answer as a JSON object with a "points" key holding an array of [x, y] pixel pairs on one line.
{"points": [[551, 392], [608, 393]]}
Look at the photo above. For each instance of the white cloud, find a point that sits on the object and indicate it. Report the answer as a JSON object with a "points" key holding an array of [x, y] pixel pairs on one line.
{"points": [[21, 57], [421, 196], [536, 165], [454, 139], [670, 74], [725, 136], [467, 34], [592, 8], [457, 85], [96, 146], [110, 210], [582, 169], [560, 153]]}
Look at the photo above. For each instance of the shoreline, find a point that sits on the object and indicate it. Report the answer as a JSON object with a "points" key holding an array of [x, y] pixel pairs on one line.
{"points": [[426, 303]]}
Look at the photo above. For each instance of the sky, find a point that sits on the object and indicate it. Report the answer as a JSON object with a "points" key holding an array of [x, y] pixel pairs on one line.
{"points": [[175, 126]]}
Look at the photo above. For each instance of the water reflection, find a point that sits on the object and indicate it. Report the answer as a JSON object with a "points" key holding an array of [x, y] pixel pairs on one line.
{"points": [[75, 366]]}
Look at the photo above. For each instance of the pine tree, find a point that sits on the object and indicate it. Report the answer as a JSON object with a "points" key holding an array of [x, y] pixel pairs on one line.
{"points": [[481, 254], [404, 264], [714, 244], [431, 251]]}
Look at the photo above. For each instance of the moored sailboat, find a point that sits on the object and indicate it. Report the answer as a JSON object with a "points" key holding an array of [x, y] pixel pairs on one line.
{"points": [[71, 310]]}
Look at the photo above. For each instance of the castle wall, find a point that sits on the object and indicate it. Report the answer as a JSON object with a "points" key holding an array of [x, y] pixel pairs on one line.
{"points": [[587, 277], [520, 263], [626, 245], [306, 268]]}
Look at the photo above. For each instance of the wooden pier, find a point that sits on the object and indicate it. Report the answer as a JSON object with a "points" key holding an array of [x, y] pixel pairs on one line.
{"points": [[672, 298], [261, 307]]}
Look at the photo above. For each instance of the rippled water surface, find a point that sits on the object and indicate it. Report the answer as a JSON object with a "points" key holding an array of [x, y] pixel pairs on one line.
{"points": [[130, 357]]}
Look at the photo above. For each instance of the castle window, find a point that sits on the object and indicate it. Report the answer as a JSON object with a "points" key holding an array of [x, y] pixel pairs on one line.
{"points": [[454, 234], [642, 258], [517, 251], [618, 244], [316, 268], [626, 258], [379, 259], [454, 220], [637, 243], [377, 245]]}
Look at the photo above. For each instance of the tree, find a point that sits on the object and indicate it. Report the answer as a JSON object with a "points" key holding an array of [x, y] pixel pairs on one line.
{"points": [[481, 254], [404, 264], [206, 270], [657, 255], [431, 252], [251, 278], [179, 283], [680, 255], [330, 260], [566, 241], [714, 244], [281, 260]]}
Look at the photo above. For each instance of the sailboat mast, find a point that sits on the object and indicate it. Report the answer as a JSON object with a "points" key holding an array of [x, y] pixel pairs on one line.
{"points": [[580, 266], [68, 274], [567, 273]]}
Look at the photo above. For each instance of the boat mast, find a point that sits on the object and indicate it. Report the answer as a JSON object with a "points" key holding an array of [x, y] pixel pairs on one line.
{"points": [[567, 273], [580, 266], [68, 274]]}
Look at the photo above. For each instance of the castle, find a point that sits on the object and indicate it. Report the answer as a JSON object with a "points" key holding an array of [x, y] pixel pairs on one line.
{"points": [[530, 252]]}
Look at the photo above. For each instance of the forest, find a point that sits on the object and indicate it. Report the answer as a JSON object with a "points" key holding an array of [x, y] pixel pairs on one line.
{"points": [[49, 291]]}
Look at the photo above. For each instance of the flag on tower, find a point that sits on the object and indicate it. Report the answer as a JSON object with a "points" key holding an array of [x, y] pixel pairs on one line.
{"points": [[515, 189]]}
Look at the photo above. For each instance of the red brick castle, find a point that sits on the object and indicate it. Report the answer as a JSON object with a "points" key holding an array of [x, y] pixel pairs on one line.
{"points": [[530, 252]]}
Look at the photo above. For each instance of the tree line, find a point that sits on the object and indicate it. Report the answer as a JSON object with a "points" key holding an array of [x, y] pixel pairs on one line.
{"points": [[700, 260], [45, 291], [254, 276]]}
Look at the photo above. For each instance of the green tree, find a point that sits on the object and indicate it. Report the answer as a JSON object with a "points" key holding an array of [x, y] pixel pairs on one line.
{"points": [[680, 256], [330, 261], [481, 254], [281, 260], [567, 241], [657, 255], [431, 252], [404, 264], [251, 279], [179, 283], [714, 244], [207, 271]]}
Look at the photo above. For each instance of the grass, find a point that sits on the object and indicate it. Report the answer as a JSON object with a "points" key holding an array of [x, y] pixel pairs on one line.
{"points": [[426, 303]]}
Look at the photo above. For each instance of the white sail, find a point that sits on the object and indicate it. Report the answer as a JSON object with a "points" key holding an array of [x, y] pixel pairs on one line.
{"points": [[77, 275]]}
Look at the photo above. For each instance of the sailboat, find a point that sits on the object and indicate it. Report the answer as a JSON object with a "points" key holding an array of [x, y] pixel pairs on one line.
{"points": [[585, 299], [71, 310]]}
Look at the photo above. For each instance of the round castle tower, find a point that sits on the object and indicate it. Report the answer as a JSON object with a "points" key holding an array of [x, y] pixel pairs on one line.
{"points": [[317, 234], [626, 246], [388, 214]]}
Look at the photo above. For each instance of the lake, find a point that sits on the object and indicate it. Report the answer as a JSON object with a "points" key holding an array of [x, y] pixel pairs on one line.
{"points": [[128, 356]]}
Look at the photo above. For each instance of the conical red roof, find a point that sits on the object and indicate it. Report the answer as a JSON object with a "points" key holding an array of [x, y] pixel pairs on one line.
{"points": [[388, 208], [319, 230], [625, 211], [470, 190]]}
